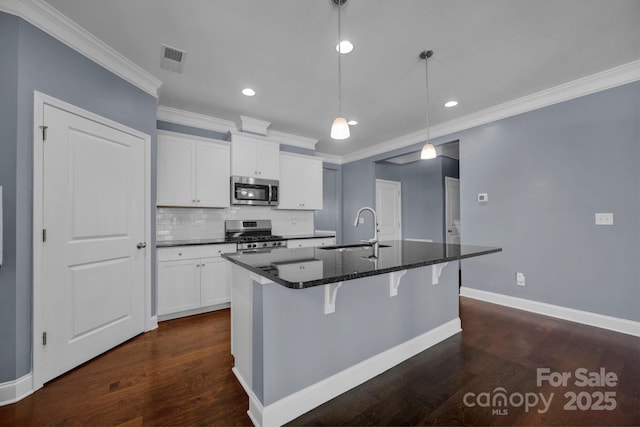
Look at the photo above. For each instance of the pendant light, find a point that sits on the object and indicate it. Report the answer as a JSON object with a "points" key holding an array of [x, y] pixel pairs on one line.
{"points": [[340, 128], [428, 150]]}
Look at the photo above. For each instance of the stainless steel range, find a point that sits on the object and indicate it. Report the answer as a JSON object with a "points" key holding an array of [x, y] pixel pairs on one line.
{"points": [[252, 235]]}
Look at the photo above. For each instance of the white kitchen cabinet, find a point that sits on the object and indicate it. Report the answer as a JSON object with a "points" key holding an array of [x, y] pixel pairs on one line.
{"points": [[193, 278], [254, 157], [213, 288], [300, 182], [178, 286], [300, 271], [311, 243], [192, 171]]}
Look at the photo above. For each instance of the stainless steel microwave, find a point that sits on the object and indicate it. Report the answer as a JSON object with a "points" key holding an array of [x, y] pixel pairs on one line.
{"points": [[254, 191]]}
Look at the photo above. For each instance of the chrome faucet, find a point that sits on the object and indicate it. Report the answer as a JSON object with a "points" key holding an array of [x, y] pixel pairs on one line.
{"points": [[374, 241]]}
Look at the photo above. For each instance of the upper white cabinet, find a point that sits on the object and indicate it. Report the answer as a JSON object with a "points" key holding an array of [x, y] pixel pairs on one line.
{"points": [[300, 182], [253, 157], [192, 171]]}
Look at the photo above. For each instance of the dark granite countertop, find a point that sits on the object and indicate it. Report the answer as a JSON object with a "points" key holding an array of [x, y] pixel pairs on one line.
{"points": [[310, 236], [191, 242], [324, 265]]}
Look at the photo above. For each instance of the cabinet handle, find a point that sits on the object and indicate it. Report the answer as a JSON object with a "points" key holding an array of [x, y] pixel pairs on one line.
{"points": [[179, 253], [198, 200], [194, 200]]}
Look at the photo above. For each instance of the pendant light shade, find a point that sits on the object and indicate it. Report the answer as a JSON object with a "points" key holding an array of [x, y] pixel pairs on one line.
{"points": [[428, 152], [340, 129]]}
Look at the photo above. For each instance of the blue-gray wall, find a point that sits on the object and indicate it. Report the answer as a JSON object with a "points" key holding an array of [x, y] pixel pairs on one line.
{"points": [[39, 62], [547, 172], [422, 194], [190, 130], [289, 356], [8, 157]]}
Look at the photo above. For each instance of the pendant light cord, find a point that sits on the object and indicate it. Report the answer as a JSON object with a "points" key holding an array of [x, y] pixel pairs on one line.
{"points": [[426, 55], [339, 59]]}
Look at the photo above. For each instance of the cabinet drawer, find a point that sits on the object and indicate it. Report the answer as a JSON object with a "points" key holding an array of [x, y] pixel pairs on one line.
{"points": [[310, 243], [192, 252]]}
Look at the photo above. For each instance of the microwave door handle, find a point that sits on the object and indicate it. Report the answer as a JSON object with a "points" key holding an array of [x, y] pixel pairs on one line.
{"points": [[270, 193]]}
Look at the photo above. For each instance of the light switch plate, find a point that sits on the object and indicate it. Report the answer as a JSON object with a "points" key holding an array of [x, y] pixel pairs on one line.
{"points": [[604, 219], [483, 197]]}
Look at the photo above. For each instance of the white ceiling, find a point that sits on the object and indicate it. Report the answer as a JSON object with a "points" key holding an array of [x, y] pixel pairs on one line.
{"points": [[487, 52]]}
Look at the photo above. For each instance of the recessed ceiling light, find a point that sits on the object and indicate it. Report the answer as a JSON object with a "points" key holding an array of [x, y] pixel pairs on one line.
{"points": [[450, 104], [344, 47], [248, 91], [352, 122]]}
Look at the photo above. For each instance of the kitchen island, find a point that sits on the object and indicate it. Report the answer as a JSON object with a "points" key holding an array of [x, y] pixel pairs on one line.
{"points": [[308, 324]]}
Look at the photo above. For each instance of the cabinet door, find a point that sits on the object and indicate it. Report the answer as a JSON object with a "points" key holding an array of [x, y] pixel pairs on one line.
{"points": [[290, 186], [176, 172], [212, 175], [312, 198], [215, 282], [243, 158], [300, 182], [178, 286], [268, 160]]}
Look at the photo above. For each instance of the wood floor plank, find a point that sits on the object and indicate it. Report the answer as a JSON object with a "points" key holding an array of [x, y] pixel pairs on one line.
{"points": [[180, 375]]}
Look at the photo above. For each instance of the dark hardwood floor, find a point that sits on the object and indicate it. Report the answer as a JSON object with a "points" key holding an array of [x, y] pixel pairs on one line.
{"points": [[180, 375]]}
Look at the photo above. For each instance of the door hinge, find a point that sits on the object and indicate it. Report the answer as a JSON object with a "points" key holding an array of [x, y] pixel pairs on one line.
{"points": [[44, 234], [44, 132], [44, 338]]}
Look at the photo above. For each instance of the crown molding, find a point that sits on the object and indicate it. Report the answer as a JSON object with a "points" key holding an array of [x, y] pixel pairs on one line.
{"points": [[618, 76], [201, 121], [58, 26], [330, 158], [294, 140], [251, 125]]}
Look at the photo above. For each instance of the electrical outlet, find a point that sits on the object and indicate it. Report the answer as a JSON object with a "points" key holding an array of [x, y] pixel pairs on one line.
{"points": [[520, 279], [294, 221], [360, 220], [604, 219]]}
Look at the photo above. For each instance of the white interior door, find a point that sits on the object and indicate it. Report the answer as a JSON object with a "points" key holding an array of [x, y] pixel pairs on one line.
{"points": [[92, 292], [452, 209], [389, 209]]}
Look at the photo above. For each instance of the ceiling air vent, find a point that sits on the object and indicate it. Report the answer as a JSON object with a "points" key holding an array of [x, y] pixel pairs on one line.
{"points": [[172, 58]]}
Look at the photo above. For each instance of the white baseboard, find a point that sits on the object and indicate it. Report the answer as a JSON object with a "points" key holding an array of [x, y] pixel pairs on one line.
{"points": [[294, 405], [616, 324], [12, 391], [201, 310]]}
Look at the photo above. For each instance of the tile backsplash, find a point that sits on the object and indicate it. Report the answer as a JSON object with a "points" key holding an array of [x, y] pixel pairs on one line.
{"points": [[202, 223]]}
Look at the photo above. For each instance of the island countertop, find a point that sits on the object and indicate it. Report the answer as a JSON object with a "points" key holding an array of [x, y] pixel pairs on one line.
{"points": [[300, 268]]}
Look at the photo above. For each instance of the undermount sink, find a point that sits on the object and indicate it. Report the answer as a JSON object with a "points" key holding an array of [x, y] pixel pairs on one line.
{"points": [[354, 247]]}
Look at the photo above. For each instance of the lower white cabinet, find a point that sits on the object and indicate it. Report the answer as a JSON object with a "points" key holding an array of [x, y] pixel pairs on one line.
{"points": [[192, 278], [311, 243]]}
